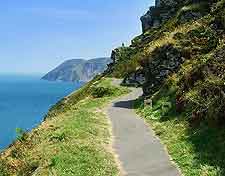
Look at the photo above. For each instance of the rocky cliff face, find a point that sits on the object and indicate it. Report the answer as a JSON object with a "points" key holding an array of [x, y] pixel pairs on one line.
{"points": [[166, 9], [163, 61], [161, 12], [78, 70]]}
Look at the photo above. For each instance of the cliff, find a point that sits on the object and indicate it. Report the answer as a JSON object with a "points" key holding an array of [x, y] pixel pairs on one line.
{"points": [[166, 9], [161, 12], [78, 70]]}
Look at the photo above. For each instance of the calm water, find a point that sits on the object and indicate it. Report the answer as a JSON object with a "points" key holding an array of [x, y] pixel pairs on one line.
{"points": [[24, 100]]}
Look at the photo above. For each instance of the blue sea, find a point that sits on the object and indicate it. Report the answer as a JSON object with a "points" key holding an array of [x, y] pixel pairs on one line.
{"points": [[24, 101]]}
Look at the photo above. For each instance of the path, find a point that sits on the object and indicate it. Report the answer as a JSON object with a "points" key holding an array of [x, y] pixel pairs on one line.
{"points": [[139, 151]]}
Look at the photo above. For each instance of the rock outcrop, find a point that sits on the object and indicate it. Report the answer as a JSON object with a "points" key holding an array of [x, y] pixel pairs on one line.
{"points": [[163, 61], [136, 79], [161, 12], [166, 9]]}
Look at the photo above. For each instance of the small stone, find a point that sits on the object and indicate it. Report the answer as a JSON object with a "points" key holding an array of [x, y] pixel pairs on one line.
{"points": [[148, 102]]}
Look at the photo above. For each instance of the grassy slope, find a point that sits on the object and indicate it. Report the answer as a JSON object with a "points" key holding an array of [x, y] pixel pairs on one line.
{"points": [[75, 142], [198, 151]]}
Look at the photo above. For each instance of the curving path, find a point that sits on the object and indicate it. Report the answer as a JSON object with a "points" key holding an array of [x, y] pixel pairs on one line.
{"points": [[139, 151]]}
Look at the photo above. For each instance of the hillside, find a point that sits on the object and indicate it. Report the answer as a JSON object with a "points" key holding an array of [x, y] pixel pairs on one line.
{"points": [[182, 45], [179, 61], [74, 139], [78, 70]]}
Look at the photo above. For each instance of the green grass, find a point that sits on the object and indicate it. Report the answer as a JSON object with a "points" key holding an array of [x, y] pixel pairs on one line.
{"points": [[76, 142], [198, 151]]}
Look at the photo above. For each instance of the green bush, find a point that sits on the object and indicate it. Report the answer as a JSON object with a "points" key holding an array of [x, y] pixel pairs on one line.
{"points": [[20, 134], [99, 92], [208, 101], [201, 89], [58, 137], [201, 40]]}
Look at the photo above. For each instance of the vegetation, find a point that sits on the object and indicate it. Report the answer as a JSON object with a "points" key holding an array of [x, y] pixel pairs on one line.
{"points": [[197, 150], [99, 92], [188, 103], [124, 61], [183, 62], [73, 142], [21, 134]]}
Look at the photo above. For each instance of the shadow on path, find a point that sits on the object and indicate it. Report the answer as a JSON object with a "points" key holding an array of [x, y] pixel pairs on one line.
{"points": [[124, 104]]}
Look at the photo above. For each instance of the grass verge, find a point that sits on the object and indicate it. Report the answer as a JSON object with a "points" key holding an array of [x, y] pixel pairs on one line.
{"points": [[198, 151]]}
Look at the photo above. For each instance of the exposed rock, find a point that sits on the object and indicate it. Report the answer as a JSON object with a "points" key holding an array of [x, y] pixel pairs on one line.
{"points": [[164, 61], [157, 3], [135, 79], [120, 56], [155, 17], [113, 55], [121, 53], [133, 76], [218, 23], [167, 3], [148, 102], [165, 9], [161, 12], [189, 16]]}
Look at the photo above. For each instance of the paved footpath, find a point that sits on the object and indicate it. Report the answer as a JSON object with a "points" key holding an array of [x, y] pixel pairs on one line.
{"points": [[139, 151]]}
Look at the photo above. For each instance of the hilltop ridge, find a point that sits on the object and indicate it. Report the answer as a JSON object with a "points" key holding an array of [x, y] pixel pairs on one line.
{"points": [[78, 70]]}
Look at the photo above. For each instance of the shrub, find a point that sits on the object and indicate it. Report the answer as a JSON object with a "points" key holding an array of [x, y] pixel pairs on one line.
{"points": [[200, 40], [58, 137], [21, 134], [201, 91], [99, 92]]}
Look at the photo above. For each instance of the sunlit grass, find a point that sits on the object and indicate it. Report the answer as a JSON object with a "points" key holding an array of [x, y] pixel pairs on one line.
{"points": [[76, 142], [197, 151]]}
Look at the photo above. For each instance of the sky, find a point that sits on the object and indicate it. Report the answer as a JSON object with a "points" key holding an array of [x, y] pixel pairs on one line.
{"points": [[37, 35]]}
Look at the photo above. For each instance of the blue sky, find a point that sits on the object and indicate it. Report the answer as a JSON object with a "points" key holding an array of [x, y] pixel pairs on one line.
{"points": [[37, 35]]}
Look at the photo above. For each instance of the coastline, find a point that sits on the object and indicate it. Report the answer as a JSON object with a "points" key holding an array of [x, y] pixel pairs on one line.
{"points": [[30, 102], [57, 137]]}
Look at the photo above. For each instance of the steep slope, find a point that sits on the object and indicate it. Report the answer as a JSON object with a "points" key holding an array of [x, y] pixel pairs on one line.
{"points": [[78, 70], [184, 44], [73, 140], [179, 60]]}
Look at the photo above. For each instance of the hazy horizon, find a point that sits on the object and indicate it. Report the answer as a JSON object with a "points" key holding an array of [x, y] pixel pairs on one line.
{"points": [[44, 73], [39, 35]]}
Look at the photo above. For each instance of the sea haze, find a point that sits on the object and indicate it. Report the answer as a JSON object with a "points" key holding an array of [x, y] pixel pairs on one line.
{"points": [[24, 100]]}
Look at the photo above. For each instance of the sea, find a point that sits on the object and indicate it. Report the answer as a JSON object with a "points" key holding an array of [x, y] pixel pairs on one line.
{"points": [[25, 100]]}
